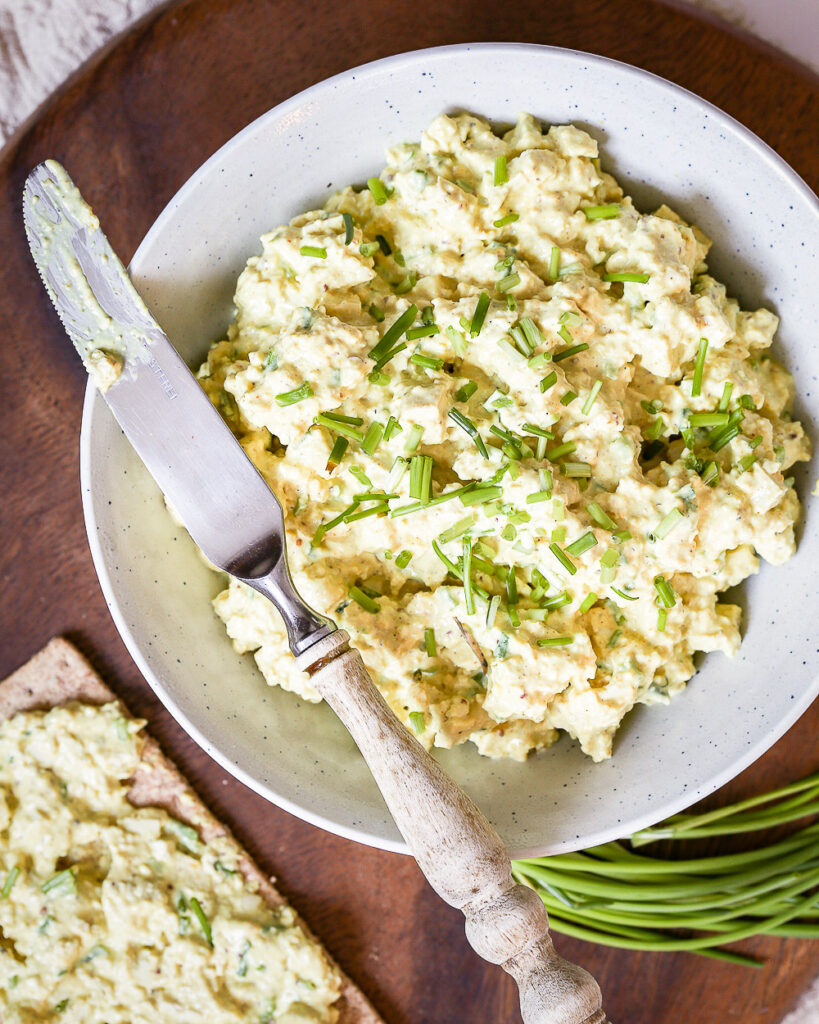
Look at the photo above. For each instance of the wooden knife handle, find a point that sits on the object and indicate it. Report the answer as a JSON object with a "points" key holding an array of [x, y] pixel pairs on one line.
{"points": [[460, 853]]}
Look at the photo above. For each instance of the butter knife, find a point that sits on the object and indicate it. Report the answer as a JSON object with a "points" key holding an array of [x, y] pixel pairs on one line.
{"points": [[239, 526]]}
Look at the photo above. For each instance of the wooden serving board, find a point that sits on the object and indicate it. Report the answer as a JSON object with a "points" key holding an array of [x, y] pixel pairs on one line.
{"points": [[131, 127]]}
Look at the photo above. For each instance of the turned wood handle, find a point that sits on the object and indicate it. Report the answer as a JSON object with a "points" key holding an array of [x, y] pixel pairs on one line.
{"points": [[460, 853]]}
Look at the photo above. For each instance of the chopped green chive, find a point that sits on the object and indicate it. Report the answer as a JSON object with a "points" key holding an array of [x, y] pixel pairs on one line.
{"points": [[623, 594], [699, 366], [201, 917], [377, 190], [536, 431], [479, 316], [600, 516], [507, 283], [413, 438], [457, 529], [501, 176], [554, 263], [746, 402], [560, 450], [627, 278], [403, 559], [564, 334], [426, 331], [755, 441], [465, 391], [394, 332], [710, 474], [392, 427], [609, 558], [652, 408], [458, 341], [587, 602], [509, 532], [555, 641], [424, 361], [378, 379], [567, 353], [313, 250], [548, 381], [580, 470], [592, 396], [510, 218], [480, 495], [369, 248], [417, 721], [708, 419], [349, 224], [339, 426], [8, 885], [662, 616], [568, 398], [372, 438], [361, 476], [421, 477], [667, 524], [725, 437], [615, 636], [366, 602], [429, 642], [62, 882], [558, 601], [745, 463], [384, 245], [571, 268], [518, 336], [492, 610], [577, 547], [407, 284], [536, 496], [296, 395], [466, 424], [469, 597], [665, 592], [725, 400], [606, 211], [563, 558]]}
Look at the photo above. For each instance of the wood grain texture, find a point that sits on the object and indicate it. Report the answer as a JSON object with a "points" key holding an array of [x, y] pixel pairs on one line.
{"points": [[132, 127], [459, 852]]}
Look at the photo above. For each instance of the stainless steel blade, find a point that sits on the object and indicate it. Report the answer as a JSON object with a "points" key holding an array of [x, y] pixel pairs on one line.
{"points": [[222, 499]]}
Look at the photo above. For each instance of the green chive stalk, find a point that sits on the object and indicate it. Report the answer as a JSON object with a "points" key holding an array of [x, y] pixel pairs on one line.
{"points": [[615, 896]]}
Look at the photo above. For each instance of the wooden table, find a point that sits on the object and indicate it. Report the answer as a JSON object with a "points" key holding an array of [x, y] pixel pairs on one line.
{"points": [[132, 126]]}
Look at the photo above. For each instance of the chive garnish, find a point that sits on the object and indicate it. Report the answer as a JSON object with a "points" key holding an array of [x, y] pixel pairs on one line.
{"points": [[567, 353], [377, 190], [349, 224], [403, 559], [699, 366], [465, 391], [519, 337], [202, 918], [511, 586], [665, 592], [592, 397], [384, 245], [710, 474], [606, 211], [563, 558], [746, 402], [510, 218], [548, 381], [587, 602], [627, 278], [560, 450], [508, 282], [662, 616], [8, 885], [372, 438], [667, 524], [457, 529], [413, 438], [339, 426], [725, 400], [568, 398], [466, 424], [392, 427], [555, 641], [755, 441], [354, 421], [63, 881], [478, 317], [623, 594], [600, 516], [394, 332], [369, 248], [366, 602], [313, 250], [583, 543], [393, 352], [417, 721], [727, 435], [536, 431], [536, 496], [480, 495], [558, 601], [429, 642], [708, 419], [296, 395], [407, 284], [745, 463], [492, 610], [469, 597], [421, 477], [459, 342], [337, 453], [554, 263], [564, 334], [501, 176]]}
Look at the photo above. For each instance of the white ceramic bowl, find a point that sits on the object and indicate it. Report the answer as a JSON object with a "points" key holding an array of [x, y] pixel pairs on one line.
{"points": [[662, 143]]}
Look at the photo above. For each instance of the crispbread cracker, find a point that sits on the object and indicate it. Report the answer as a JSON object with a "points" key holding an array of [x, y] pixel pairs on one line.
{"points": [[59, 674]]}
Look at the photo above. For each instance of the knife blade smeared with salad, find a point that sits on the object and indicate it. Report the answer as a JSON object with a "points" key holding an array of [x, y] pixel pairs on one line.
{"points": [[522, 438]]}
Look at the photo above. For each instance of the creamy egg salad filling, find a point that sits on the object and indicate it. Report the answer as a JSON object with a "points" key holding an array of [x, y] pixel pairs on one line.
{"points": [[522, 438], [121, 914]]}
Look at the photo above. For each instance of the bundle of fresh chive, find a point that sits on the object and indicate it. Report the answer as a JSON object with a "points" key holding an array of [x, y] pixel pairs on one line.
{"points": [[615, 896]]}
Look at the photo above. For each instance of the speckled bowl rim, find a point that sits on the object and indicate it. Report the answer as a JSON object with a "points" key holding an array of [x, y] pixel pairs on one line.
{"points": [[687, 798]]}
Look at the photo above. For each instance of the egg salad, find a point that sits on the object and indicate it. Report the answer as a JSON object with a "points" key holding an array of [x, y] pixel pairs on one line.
{"points": [[124, 915], [522, 438]]}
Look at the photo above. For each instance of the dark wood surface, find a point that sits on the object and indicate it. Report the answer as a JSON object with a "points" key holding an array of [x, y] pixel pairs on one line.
{"points": [[131, 127]]}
